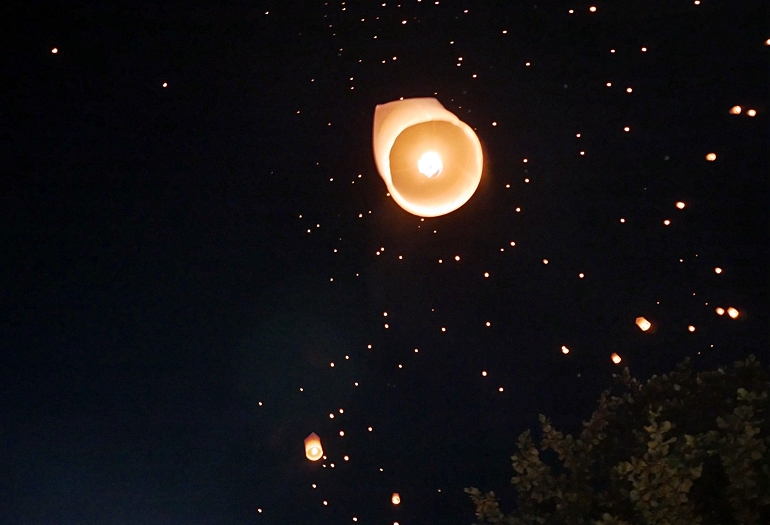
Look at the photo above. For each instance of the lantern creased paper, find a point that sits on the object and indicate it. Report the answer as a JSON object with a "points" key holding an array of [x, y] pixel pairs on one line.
{"points": [[430, 160], [313, 449]]}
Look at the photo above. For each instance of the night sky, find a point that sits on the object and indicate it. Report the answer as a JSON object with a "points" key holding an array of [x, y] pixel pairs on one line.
{"points": [[197, 251]]}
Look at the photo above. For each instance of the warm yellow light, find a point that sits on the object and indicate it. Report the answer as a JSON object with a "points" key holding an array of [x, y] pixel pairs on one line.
{"points": [[615, 358], [54, 50], [415, 140], [564, 350], [691, 328], [733, 313], [395, 499], [735, 110], [643, 324], [717, 270], [667, 222], [430, 164], [711, 157], [720, 311], [313, 449], [752, 112], [680, 205]]}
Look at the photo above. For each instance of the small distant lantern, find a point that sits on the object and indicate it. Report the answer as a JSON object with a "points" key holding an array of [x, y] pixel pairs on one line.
{"points": [[711, 157], [395, 499], [643, 324], [720, 311], [733, 313], [752, 112], [680, 205], [735, 110], [564, 350], [615, 358], [313, 449]]}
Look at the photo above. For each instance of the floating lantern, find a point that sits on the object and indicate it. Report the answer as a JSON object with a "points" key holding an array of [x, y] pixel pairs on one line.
{"points": [[733, 313], [711, 157], [615, 358], [720, 311], [735, 110], [564, 350], [313, 449], [395, 499], [752, 112], [643, 324], [430, 160]]}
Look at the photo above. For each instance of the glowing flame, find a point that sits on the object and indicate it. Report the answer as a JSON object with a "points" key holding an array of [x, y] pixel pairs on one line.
{"points": [[733, 313], [430, 164], [395, 499], [615, 358], [313, 449]]}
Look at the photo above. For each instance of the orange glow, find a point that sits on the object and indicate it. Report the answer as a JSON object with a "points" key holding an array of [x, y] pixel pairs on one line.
{"points": [[733, 313], [717, 270], [313, 449], [711, 157], [720, 311], [395, 499], [752, 112], [592, 9], [564, 350], [680, 205], [735, 110], [691, 328], [643, 324], [667, 222], [430, 160], [615, 358], [55, 50]]}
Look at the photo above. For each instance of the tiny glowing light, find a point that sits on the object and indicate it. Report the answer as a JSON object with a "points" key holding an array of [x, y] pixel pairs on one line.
{"points": [[581, 275], [494, 123], [564, 350], [680, 205], [313, 449], [484, 373], [752, 113], [691, 328], [629, 90], [165, 84], [622, 220], [578, 135], [592, 9], [525, 160], [644, 50], [486, 274], [500, 389], [643, 324], [346, 458], [667, 222], [395, 499], [717, 270], [626, 129], [609, 84], [615, 358], [720, 311], [430, 164], [457, 257], [369, 429], [735, 110], [711, 157], [332, 365], [545, 261], [342, 433], [733, 313], [55, 50], [443, 329], [384, 314]]}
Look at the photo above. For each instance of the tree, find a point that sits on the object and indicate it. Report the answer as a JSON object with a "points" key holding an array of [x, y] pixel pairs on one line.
{"points": [[680, 449]]}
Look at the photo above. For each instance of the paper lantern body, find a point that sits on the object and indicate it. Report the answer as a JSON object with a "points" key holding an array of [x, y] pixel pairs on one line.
{"points": [[643, 324], [313, 449], [395, 499], [430, 160]]}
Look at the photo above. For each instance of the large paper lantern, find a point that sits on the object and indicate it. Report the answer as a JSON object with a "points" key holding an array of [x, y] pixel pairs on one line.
{"points": [[430, 160], [395, 499], [643, 324], [313, 449]]}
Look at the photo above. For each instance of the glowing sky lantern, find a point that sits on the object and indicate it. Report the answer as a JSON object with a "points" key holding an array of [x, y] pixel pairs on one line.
{"points": [[643, 324], [615, 358], [735, 110], [430, 160], [313, 449], [395, 499], [733, 313]]}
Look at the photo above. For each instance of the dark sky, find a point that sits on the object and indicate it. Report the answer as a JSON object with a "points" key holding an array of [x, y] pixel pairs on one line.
{"points": [[163, 302]]}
